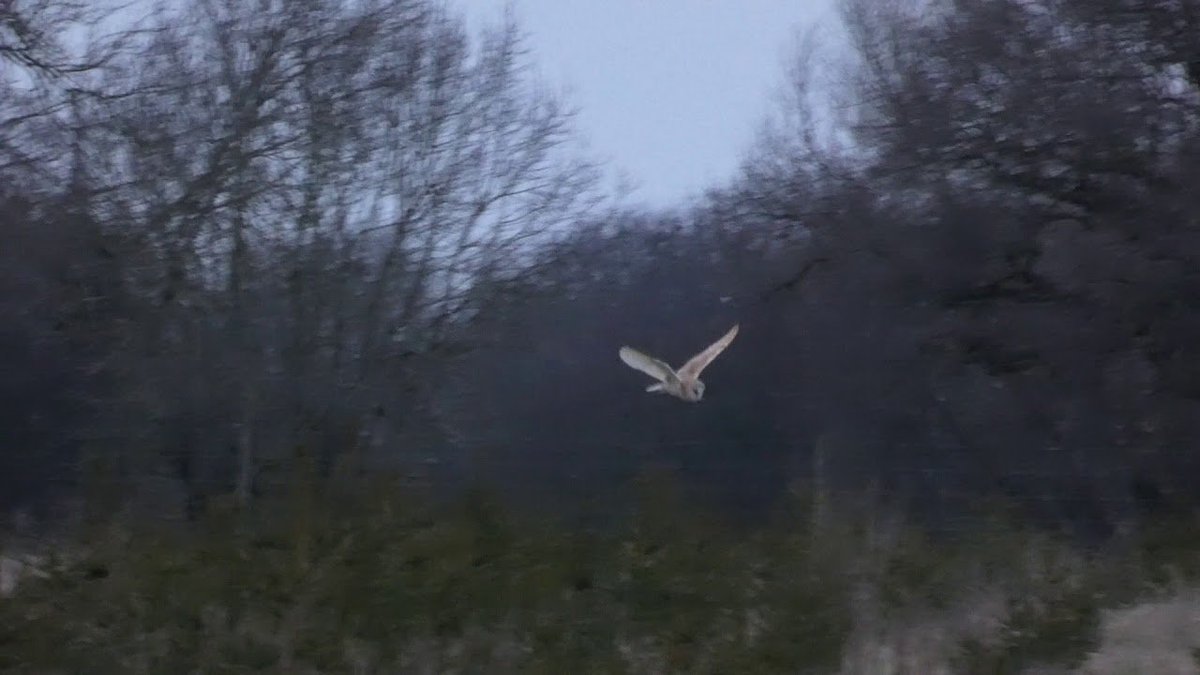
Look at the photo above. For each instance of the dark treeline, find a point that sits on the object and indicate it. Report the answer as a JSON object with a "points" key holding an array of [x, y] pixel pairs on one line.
{"points": [[349, 237]]}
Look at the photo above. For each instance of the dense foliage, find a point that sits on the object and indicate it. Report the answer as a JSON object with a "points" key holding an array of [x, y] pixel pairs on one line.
{"points": [[383, 583]]}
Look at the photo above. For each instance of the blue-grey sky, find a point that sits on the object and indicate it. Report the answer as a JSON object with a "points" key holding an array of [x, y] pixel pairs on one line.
{"points": [[669, 91]]}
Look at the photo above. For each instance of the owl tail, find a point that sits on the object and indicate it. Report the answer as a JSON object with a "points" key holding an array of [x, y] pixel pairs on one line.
{"points": [[657, 386]]}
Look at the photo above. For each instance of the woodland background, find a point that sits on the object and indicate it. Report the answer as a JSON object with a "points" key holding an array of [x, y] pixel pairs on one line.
{"points": [[353, 232], [254, 246]]}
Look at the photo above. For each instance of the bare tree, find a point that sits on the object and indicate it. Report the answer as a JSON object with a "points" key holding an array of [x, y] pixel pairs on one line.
{"points": [[311, 197], [1009, 229]]}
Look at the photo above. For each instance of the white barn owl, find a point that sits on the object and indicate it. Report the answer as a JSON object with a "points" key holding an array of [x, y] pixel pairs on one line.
{"points": [[684, 383]]}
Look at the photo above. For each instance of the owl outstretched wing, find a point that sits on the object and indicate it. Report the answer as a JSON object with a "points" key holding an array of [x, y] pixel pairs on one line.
{"points": [[648, 365], [699, 362]]}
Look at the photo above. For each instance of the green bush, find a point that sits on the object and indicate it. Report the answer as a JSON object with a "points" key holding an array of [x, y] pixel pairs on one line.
{"points": [[387, 585]]}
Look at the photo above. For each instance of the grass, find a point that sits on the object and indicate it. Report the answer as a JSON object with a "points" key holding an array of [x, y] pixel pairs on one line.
{"points": [[389, 585]]}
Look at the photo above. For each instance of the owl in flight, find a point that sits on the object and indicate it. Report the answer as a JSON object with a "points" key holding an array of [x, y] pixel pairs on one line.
{"points": [[684, 383]]}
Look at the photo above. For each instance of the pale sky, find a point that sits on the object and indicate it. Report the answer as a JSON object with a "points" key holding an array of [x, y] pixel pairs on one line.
{"points": [[669, 91]]}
